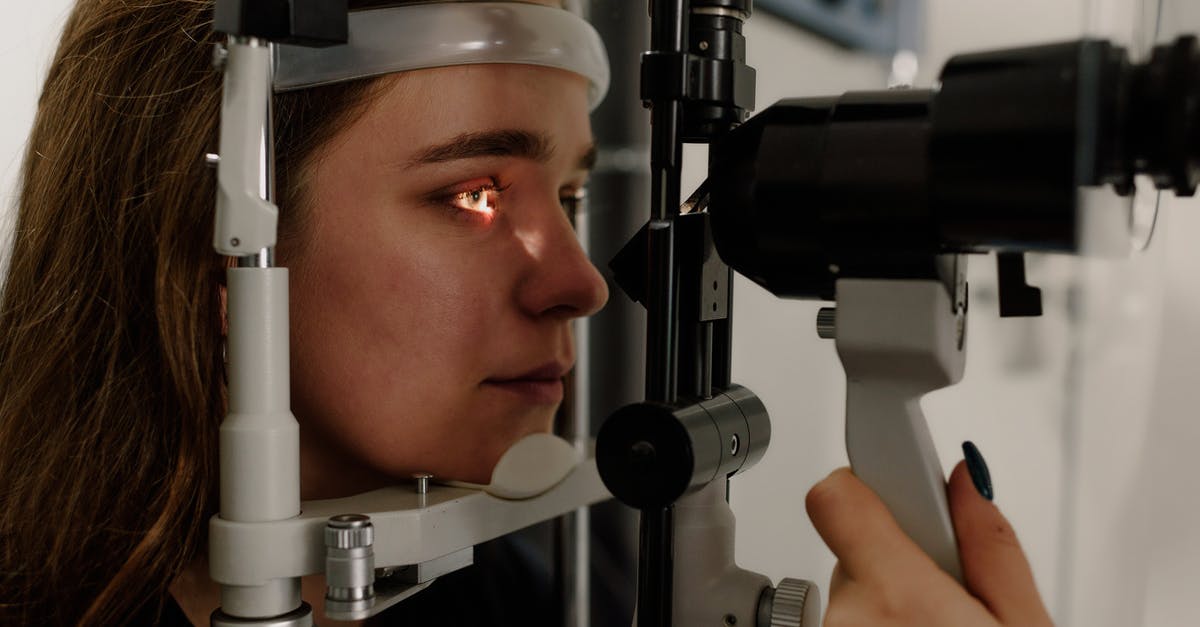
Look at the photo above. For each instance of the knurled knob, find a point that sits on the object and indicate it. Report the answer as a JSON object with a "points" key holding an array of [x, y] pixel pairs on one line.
{"points": [[796, 603], [349, 531], [827, 323]]}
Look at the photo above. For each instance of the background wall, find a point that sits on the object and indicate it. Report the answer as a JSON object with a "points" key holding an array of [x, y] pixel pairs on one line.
{"points": [[28, 37], [1085, 414]]}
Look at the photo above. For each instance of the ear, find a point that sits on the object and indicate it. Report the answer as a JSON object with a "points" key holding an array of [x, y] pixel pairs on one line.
{"points": [[223, 303], [223, 294]]}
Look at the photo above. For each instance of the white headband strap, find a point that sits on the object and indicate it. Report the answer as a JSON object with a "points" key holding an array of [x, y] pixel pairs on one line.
{"points": [[419, 36]]}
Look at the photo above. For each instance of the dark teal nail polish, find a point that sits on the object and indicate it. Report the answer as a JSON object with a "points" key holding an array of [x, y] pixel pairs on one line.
{"points": [[978, 469]]}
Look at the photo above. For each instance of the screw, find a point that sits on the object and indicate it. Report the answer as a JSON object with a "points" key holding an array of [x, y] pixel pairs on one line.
{"points": [[235, 242], [734, 445], [642, 455], [422, 479], [704, 45]]}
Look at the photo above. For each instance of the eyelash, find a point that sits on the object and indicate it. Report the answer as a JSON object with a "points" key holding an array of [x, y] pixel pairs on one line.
{"points": [[458, 203], [494, 190]]}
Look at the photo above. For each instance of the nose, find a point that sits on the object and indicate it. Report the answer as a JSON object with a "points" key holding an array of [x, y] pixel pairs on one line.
{"points": [[560, 281]]}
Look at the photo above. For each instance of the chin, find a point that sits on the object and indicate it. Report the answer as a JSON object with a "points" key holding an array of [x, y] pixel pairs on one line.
{"points": [[478, 469]]}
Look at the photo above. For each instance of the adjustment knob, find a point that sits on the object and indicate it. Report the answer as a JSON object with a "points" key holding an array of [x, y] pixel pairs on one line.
{"points": [[349, 531], [349, 564], [793, 603]]}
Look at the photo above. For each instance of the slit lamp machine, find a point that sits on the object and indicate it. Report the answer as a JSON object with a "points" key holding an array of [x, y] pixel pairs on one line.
{"points": [[872, 201]]}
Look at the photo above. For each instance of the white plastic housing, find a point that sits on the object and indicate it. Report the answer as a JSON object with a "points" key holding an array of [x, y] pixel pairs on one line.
{"points": [[245, 221], [898, 340], [410, 528], [259, 439]]}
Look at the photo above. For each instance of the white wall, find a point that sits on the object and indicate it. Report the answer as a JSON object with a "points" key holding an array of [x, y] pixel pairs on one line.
{"points": [[28, 34]]}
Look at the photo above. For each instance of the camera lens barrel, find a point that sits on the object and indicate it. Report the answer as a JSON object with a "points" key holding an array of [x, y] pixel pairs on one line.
{"points": [[875, 184]]}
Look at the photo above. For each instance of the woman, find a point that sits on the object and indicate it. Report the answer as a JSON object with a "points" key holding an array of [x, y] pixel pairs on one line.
{"points": [[434, 275]]}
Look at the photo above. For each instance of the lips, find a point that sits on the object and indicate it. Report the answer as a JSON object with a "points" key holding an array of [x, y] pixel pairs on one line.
{"points": [[540, 385]]}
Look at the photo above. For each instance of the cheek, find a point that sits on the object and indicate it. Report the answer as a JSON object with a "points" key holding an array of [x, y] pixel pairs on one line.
{"points": [[393, 317], [389, 349]]}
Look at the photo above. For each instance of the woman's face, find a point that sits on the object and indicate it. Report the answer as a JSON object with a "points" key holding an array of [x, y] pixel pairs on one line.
{"points": [[434, 283]]}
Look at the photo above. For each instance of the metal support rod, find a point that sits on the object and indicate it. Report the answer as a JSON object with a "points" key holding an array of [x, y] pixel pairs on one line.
{"points": [[657, 560], [665, 152], [656, 531], [668, 25], [661, 319], [668, 34], [264, 259], [571, 533], [706, 360], [259, 447]]}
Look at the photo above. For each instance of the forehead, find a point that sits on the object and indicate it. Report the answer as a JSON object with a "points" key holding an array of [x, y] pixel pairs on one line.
{"points": [[423, 107]]}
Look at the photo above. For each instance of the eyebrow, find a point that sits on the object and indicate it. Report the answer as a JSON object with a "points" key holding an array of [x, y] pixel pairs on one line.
{"points": [[498, 143]]}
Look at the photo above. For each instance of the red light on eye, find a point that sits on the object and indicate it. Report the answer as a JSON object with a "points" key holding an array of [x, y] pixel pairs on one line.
{"points": [[480, 201], [483, 209]]}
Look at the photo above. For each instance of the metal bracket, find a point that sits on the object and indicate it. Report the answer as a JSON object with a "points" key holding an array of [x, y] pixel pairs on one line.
{"points": [[410, 528]]}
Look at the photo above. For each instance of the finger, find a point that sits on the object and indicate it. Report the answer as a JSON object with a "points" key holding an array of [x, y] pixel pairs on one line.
{"points": [[994, 566], [838, 579], [848, 604], [859, 529], [893, 604]]}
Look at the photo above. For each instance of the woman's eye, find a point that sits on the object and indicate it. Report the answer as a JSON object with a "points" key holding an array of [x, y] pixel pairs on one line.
{"points": [[573, 202], [478, 203], [480, 200]]}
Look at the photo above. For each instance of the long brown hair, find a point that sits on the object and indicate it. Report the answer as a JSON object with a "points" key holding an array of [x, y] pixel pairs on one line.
{"points": [[111, 388]]}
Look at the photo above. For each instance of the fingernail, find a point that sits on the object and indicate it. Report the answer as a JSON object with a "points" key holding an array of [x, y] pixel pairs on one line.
{"points": [[978, 469]]}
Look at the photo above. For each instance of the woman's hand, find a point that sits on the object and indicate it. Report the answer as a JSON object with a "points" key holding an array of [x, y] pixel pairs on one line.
{"points": [[883, 579]]}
